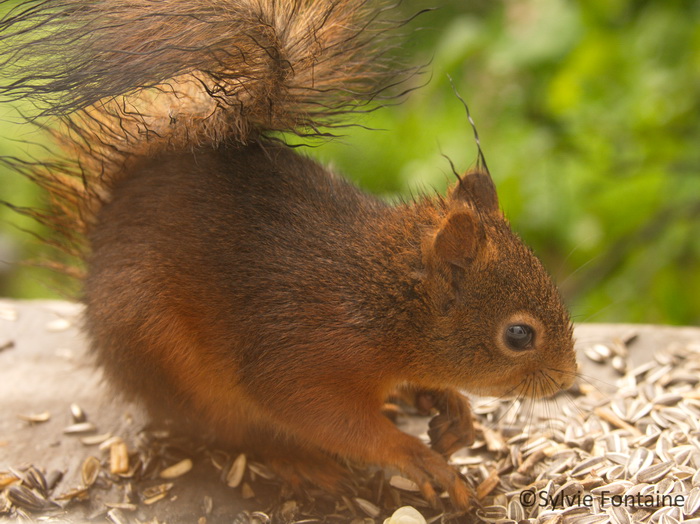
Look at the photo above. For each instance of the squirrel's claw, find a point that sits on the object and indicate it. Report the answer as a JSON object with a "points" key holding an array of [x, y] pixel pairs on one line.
{"points": [[432, 472]]}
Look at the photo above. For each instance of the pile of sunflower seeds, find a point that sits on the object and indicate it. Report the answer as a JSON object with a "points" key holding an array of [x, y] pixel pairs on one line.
{"points": [[629, 456], [594, 457]]}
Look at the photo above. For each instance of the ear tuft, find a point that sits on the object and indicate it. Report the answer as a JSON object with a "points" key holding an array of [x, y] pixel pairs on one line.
{"points": [[458, 240], [477, 188]]}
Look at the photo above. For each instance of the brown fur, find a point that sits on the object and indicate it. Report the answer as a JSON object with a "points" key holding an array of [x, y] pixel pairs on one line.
{"points": [[238, 285]]}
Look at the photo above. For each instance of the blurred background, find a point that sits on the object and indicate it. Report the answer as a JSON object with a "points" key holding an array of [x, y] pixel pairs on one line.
{"points": [[588, 114]]}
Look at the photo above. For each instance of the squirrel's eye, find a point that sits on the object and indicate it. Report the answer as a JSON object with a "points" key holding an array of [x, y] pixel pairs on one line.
{"points": [[519, 336]]}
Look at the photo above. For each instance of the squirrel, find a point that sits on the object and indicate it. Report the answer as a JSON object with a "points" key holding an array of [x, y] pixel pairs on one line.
{"points": [[232, 280]]}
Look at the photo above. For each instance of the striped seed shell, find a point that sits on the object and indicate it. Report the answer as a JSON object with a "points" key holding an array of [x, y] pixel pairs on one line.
{"points": [[235, 474]]}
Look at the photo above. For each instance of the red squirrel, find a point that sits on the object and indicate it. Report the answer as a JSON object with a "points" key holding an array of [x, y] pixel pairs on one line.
{"points": [[231, 279]]}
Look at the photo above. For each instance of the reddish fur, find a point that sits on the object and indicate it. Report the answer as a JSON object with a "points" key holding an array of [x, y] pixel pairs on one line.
{"points": [[241, 287]]}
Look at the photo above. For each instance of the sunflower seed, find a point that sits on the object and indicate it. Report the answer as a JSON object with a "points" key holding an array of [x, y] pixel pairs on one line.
{"points": [[668, 399], [665, 486], [660, 421], [35, 417], [115, 516], [530, 462], [155, 498], [674, 415], [620, 515], [235, 474], [261, 471], [682, 454], [207, 505], [92, 440], [246, 491], [219, 459], [649, 439], [487, 485], [125, 506], [681, 376], [494, 441], [365, 505], [176, 470], [407, 515], [89, 471], [692, 502], [58, 324], [109, 442], [35, 480], [568, 489], [640, 459], [619, 407], [403, 483], [614, 488], [492, 513], [640, 371], [586, 466], [519, 439], [598, 353], [77, 413], [25, 498], [609, 416], [590, 519], [654, 473], [8, 479], [80, 428], [638, 408], [156, 493], [658, 373], [696, 479], [118, 458], [256, 517], [619, 364], [615, 473], [516, 511], [80, 493], [618, 458], [290, 508]]}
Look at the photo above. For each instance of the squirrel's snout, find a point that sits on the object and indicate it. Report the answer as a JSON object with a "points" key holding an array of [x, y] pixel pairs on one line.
{"points": [[546, 382], [564, 378], [567, 380]]}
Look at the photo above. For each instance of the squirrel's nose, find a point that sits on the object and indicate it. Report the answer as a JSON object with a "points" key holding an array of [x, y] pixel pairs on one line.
{"points": [[567, 377]]}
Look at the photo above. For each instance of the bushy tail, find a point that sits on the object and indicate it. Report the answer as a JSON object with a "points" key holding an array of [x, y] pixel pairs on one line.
{"points": [[123, 79]]}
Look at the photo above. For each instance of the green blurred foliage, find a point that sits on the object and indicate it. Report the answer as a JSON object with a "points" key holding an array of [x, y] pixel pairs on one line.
{"points": [[588, 117], [20, 247]]}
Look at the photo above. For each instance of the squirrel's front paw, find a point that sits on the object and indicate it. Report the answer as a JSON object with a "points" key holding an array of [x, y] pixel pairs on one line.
{"points": [[453, 427]]}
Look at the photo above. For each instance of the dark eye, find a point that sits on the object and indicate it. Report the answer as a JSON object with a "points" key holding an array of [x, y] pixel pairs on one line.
{"points": [[519, 336]]}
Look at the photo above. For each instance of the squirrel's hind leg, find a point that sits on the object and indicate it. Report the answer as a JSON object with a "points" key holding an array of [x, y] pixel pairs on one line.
{"points": [[301, 466]]}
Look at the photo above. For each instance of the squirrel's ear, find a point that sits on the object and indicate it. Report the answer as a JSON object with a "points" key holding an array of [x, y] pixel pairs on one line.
{"points": [[457, 241], [477, 188]]}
